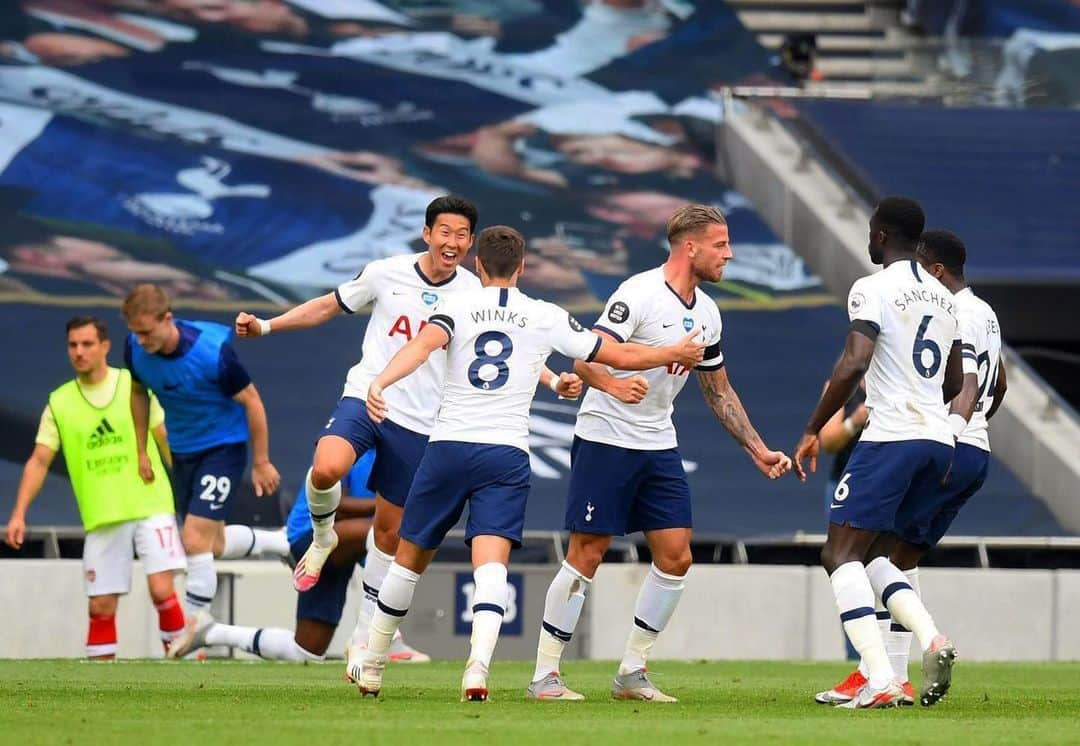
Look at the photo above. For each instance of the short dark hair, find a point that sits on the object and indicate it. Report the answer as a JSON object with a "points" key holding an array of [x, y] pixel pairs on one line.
{"points": [[453, 205], [903, 215], [946, 248], [500, 249], [78, 322]]}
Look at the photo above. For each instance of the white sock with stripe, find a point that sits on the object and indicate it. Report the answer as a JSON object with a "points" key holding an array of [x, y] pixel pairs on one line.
{"points": [[322, 504], [271, 643], [376, 565], [201, 583], [656, 602], [395, 597], [246, 541], [855, 602], [489, 606], [562, 609], [901, 599]]}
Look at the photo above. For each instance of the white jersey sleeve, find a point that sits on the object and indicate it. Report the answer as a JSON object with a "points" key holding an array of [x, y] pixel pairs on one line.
{"points": [[968, 338], [360, 290], [621, 314], [570, 338], [864, 304], [982, 331]]}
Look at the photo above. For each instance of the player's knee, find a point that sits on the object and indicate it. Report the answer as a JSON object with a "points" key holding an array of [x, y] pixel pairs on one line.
{"points": [[586, 556], [386, 538], [102, 605], [677, 563], [327, 471]]}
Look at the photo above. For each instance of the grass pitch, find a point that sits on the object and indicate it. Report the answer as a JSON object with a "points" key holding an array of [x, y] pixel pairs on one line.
{"points": [[150, 702]]}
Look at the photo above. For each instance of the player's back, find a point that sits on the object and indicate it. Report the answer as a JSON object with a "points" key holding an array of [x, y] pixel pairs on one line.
{"points": [[499, 341], [913, 320], [979, 327]]}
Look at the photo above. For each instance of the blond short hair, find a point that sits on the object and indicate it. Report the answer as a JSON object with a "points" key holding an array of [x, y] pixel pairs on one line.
{"points": [[146, 299], [693, 219]]}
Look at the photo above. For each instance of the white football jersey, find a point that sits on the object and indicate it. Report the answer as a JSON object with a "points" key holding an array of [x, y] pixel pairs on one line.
{"points": [[646, 310], [403, 299], [499, 341], [914, 319], [979, 328]]}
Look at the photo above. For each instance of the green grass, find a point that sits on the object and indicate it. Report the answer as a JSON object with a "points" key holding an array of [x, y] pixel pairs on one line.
{"points": [[150, 703]]}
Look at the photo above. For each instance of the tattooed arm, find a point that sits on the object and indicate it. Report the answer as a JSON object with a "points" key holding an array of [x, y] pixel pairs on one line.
{"points": [[725, 404]]}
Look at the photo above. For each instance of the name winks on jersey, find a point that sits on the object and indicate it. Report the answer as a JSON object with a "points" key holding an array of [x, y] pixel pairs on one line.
{"points": [[504, 315]]}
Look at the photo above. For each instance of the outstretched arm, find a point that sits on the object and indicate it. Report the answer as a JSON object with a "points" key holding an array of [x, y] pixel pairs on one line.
{"points": [[632, 356], [627, 390], [410, 357], [308, 314], [729, 410], [849, 369]]}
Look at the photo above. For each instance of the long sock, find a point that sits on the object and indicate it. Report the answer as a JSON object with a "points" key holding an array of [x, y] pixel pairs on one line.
{"points": [[376, 565], [562, 609], [271, 643], [101, 637], [201, 583], [898, 641], [855, 601], [170, 618], [656, 602], [884, 622], [395, 597], [245, 541], [901, 599], [489, 606], [322, 504]]}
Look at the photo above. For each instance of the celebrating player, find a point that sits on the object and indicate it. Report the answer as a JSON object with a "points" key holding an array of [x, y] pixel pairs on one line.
{"points": [[478, 453], [905, 338], [627, 474], [211, 407], [920, 526], [90, 418]]}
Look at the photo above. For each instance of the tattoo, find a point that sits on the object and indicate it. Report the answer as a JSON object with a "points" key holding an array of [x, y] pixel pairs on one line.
{"points": [[725, 404]]}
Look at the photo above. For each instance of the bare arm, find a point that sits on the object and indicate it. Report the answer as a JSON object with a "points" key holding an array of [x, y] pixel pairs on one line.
{"points": [[954, 375], [728, 408], [263, 473], [140, 414], [567, 385], [627, 390], [840, 430], [1000, 387], [963, 403], [410, 357], [308, 314], [632, 356], [162, 440], [849, 369], [33, 478]]}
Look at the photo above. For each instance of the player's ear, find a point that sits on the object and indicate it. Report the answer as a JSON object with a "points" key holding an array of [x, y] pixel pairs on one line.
{"points": [[426, 234], [480, 270]]}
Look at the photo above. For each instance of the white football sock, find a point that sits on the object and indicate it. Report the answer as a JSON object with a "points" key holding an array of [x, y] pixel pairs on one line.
{"points": [[321, 505], [271, 643], [903, 603], [855, 601], [656, 602], [884, 621], [898, 641], [489, 606], [201, 583], [245, 541], [395, 597], [376, 565], [562, 609]]}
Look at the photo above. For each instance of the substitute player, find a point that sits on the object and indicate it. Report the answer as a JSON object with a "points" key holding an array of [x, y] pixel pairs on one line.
{"points": [[478, 453], [627, 474], [90, 418], [212, 408], [921, 526], [905, 338]]}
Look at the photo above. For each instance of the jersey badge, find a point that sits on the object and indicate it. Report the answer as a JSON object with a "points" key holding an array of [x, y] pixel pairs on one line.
{"points": [[429, 297]]}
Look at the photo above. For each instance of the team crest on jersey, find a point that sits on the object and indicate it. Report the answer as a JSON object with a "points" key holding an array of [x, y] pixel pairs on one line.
{"points": [[429, 297], [619, 312], [857, 301], [687, 323], [574, 324]]}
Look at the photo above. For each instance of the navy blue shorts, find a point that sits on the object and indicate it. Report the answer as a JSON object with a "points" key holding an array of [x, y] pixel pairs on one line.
{"points": [[326, 599], [397, 450], [492, 479], [923, 524], [204, 482], [884, 480], [616, 491]]}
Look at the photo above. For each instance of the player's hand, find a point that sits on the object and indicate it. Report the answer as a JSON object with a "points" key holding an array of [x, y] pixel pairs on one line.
{"points": [[146, 469], [773, 464], [376, 404], [688, 352], [247, 325], [630, 390], [569, 386], [265, 478], [860, 417], [16, 532], [808, 447]]}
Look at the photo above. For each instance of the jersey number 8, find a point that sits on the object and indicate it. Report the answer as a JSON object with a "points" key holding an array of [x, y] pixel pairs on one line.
{"points": [[480, 372]]}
